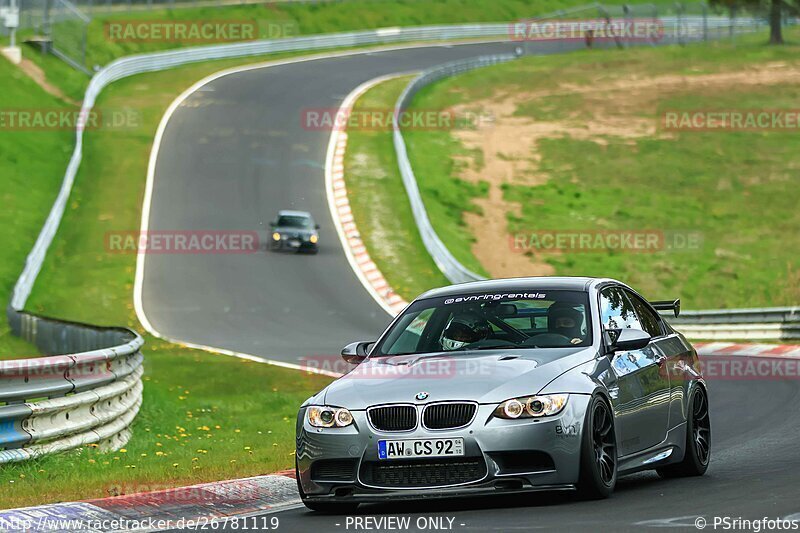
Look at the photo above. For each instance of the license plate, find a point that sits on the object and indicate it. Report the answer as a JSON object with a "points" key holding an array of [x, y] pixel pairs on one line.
{"points": [[294, 244], [399, 449]]}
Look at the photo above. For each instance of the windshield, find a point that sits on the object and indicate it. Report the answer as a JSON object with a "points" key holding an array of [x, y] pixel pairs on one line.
{"points": [[295, 221], [549, 319]]}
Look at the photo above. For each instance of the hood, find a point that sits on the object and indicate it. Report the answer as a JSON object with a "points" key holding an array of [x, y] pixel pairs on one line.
{"points": [[486, 377]]}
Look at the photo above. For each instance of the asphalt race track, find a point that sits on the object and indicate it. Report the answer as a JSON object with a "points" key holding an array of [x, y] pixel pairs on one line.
{"points": [[232, 155], [753, 474], [235, 152]]}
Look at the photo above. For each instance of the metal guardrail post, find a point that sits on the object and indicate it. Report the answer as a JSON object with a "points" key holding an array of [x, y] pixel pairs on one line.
{"points": [[113, 372]]}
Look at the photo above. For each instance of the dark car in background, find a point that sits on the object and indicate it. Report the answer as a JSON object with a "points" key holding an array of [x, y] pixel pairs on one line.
{"points": [[294, 231]]}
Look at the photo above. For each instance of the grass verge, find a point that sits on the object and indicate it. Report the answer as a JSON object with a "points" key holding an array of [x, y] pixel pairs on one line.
{"points": [[204, 417], [290, 19], [32, 163], [737, 190], [274, 20], [380, 204]]}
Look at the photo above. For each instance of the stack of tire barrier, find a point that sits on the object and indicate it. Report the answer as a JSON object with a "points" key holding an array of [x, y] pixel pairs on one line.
{"points": [[87, 391]]}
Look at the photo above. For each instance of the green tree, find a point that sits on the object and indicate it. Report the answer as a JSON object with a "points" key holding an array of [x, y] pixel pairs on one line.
{"points": [[775, 8]]}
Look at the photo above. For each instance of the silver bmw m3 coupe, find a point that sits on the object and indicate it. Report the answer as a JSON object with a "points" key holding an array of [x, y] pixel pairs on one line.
{"points": [[507, 386]]}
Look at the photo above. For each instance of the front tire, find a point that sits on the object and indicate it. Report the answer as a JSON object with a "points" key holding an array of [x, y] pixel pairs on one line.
{"points": [[598, 470], [332, 508], [697, 451]]}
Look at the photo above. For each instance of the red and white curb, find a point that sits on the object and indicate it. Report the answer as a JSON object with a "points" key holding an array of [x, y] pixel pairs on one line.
{"points": [[364, 267], [223, 502], [789, 351], [204, 506]]}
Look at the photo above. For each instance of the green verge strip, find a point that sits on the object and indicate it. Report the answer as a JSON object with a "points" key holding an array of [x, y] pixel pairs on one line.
{"points": [[112, 35], [733, 189], [32, 163], [204, 417], [379, 202]]}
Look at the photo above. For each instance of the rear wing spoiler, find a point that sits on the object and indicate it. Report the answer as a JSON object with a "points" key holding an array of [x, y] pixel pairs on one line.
{"points": [[668, 305]]}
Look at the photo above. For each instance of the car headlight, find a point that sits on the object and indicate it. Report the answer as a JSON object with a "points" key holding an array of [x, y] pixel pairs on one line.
{"points": [[313, 239], [322, 416], [532, 406], [276, 236]]}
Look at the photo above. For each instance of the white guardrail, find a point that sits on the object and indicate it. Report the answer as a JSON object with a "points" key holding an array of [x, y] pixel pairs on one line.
{"points": [[60, 402], [738, 324]]}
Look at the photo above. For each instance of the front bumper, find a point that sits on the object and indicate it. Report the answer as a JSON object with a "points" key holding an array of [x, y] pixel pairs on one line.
{"points": [[294, 245], [514, 455]]}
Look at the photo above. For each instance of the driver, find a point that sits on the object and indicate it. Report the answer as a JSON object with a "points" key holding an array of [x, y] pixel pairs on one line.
{"points": [[563, 319], [464, 328]]}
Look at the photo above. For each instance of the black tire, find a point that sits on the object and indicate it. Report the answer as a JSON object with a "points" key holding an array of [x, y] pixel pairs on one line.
{"points": [[598, 469], [323, 507], [697, 451]]}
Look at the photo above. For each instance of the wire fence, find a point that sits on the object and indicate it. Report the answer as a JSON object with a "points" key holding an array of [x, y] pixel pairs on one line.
{"points": [[62, 26], [534, 37]]}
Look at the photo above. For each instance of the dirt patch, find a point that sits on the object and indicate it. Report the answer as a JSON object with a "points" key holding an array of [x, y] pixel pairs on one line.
{"points": [[621, 109], [35, 73]]}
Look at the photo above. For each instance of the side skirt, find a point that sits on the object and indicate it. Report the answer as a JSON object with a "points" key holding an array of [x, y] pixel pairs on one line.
{"points": [[670, 450]]}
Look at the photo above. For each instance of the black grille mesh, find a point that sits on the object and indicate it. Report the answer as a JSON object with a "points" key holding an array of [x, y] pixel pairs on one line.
{"points": [[393, 417], [334, 470], [448, 415], [429, 473]]}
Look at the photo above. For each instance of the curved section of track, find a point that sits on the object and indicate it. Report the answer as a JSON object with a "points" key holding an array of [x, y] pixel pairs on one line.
{"points": [[753, 474], [235, 152]]}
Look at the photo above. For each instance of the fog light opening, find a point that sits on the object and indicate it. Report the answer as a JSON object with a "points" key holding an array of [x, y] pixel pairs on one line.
{"points": [[508, 484]]}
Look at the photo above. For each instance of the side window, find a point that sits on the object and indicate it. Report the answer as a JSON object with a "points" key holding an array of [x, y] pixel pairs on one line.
{"points": [[616, 311], [650, 322]]}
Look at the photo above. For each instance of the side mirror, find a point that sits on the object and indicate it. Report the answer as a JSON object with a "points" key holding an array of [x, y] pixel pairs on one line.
{"points": [[273, 223], [316, 226], [355, 352], [630, 339]]}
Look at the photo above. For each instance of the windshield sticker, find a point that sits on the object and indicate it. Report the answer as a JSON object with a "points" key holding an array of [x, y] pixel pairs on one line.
{"points": [[496, 297]]}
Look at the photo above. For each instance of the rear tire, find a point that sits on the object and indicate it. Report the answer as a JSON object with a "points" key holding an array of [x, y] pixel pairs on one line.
{"points": [[332, 508], [598, 469], [697, 449]]}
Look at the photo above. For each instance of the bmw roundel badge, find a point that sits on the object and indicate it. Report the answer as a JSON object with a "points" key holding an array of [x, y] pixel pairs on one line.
{"points": [[421, 396]]}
